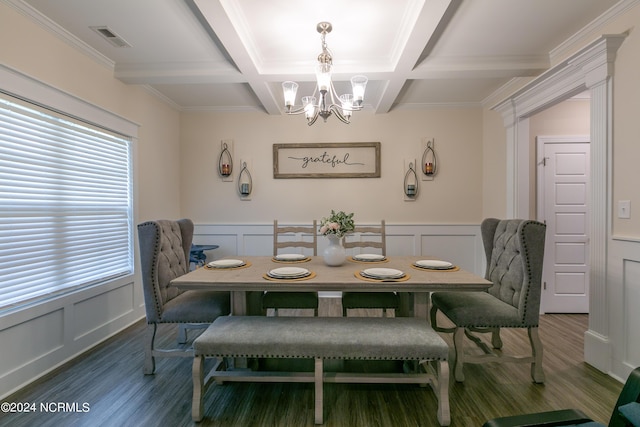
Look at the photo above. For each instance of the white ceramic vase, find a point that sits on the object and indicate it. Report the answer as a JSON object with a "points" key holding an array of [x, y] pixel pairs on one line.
{"points": [[334, 254]]}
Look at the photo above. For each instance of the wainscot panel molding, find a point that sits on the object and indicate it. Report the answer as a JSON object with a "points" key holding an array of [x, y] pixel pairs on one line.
{"points": [[460, 244], [623, 292], [46, 335]]}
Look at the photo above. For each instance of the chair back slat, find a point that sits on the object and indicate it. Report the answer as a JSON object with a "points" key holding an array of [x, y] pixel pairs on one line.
{"points": [[368, 237], [293, 237]]}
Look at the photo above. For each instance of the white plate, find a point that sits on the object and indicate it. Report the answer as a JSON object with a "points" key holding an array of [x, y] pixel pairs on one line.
{"points": [[288, 272], [382, 273], [369, 257], [290, 257], [226, 263], [434, 264]]}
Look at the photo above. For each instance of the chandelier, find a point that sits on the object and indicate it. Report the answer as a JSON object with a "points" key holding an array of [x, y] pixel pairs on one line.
{"points": [[325, 105]]}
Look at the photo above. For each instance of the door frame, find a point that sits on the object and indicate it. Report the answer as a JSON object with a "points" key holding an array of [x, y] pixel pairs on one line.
{"points": [[591, 68]]}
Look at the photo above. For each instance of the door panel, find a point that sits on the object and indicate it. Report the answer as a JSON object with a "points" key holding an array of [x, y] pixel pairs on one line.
{"points": [[564, 196]]}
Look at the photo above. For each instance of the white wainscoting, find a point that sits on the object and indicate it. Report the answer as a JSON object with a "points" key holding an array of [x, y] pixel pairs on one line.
{"points": [[623, 294], [38, 339], [460, 244]]}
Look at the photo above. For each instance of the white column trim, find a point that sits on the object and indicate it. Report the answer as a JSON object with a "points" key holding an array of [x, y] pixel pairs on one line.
{"points": [[589, 69]]}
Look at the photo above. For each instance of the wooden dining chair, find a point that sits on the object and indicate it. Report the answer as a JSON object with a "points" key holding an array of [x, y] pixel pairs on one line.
{"points": [[292, 237], [369, 237]]}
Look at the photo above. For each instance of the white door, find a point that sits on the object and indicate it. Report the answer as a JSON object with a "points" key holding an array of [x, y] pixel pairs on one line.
{"points": [[563, 204]]}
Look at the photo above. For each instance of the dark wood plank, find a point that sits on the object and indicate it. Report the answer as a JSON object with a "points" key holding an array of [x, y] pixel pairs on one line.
{"points": [[109, 378]]}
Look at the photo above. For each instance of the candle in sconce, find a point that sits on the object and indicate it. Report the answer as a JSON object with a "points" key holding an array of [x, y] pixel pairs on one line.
{"points": [[244, 189], [411, 190], [428, 168], [226, 169]]}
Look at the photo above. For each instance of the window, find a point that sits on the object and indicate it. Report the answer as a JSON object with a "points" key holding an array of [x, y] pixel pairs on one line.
{"points": [[65, 204]]}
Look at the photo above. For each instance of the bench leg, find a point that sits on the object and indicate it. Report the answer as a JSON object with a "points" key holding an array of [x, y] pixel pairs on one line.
{"points": [[318, 381], [198, 388], [442, 392]]}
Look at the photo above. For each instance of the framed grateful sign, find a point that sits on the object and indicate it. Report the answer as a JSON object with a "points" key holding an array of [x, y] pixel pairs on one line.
{"points": [[327, 160]]}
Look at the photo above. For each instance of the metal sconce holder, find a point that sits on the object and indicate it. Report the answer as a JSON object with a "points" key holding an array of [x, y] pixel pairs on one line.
{"points": [[410, 184], [429, 164], [245, 185], [225, 162]]}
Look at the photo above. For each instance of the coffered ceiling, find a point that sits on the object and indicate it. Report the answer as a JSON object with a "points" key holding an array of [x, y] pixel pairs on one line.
{"points": [[233, 55]]}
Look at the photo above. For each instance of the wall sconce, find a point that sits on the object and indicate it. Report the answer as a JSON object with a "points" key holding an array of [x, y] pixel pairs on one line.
{"points": [[225, 162], [245, 182], [429, 161], [410, 184]]}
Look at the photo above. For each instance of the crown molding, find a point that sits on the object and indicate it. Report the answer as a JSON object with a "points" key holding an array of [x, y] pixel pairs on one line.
{"points": [[60, 32], [569, 45]]}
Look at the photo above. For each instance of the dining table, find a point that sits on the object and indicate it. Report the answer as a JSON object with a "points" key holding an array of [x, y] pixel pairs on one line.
{"points": [[250, 274]]}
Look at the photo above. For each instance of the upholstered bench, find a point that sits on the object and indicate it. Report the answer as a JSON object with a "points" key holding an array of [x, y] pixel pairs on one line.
{"points": [[319, 338]]}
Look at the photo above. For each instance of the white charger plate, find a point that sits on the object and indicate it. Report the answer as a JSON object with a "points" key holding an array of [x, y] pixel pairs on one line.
{"points": [[434, 264], [290, 257], [226, 263], [369, 257], [288, 272], [382, 273]]}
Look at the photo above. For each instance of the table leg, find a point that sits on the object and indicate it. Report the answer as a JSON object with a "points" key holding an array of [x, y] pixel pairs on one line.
{"points": [[238, 303], [421, 305]]}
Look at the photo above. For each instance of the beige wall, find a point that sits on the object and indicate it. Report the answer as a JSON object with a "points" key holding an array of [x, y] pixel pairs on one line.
{"points": [[43, 56], [454, 197], [571, 117], [626, 125], [494, 160]]}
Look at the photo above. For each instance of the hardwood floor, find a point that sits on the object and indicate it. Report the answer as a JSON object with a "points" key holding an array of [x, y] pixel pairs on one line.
{"points": [[109, 379]]}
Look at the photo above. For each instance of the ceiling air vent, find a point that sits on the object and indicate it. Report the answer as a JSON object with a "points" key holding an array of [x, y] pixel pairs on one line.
{"points": [[110, 36]]}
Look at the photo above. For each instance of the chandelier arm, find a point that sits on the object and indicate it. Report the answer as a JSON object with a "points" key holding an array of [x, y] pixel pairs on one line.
{"points": [[295, 111], [354, 108], [336, 110], [313, 120]]}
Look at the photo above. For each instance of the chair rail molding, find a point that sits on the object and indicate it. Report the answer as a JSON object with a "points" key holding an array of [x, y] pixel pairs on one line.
{"points": [[591, 69]]}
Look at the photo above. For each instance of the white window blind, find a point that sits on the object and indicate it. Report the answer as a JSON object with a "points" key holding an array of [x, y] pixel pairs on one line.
{"points": [[65, 204]]}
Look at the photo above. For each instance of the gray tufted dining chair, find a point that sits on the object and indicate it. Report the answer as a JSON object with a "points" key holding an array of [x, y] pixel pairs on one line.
{"points": [[515, 250], [164, 255]]}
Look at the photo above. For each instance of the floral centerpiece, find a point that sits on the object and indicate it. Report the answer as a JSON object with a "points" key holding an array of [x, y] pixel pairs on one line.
{"points": [[335, 226], [338, 223]]}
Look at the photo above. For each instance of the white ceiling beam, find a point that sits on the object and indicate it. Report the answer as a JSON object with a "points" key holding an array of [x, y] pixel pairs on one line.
{"points": [[426, 30], [217, 18]]}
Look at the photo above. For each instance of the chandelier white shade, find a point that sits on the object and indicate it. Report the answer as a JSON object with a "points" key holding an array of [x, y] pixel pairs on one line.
{"points": [[324, 101]]}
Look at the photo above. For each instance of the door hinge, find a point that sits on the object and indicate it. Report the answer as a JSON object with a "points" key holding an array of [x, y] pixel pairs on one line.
{"points": [[544, 286]]}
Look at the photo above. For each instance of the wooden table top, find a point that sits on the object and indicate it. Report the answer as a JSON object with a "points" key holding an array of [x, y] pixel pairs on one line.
{"points": [[326, 278]]}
